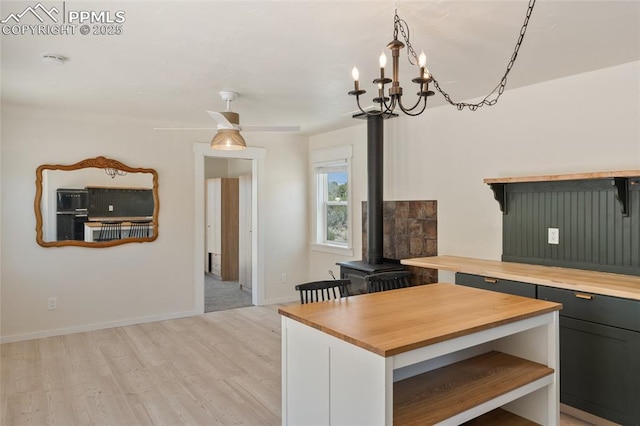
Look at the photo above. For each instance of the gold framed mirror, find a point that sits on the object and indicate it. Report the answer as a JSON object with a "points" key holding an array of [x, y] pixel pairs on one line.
{"points": [[96, 202]]}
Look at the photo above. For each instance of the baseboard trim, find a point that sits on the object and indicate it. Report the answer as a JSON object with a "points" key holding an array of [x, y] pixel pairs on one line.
{"points": [[93, 327], [279, 300]]}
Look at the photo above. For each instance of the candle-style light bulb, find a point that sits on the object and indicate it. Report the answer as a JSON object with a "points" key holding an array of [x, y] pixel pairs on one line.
{"points": [[356, 75], [422, 60], [383, 60], [380, 95]]}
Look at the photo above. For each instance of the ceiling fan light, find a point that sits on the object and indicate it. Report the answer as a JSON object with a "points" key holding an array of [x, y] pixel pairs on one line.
{"points": [[228, 140]]}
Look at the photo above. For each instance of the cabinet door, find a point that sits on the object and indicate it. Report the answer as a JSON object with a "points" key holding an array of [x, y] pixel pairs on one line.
{"points": [[496, 284], [599, 370], [606, 310]]}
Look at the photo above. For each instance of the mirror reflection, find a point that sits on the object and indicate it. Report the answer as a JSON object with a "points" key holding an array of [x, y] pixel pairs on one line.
{"points": [[95, 203]]}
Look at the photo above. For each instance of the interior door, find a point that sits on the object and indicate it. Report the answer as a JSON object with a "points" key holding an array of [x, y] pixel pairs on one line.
{"points": [[245, 231]]}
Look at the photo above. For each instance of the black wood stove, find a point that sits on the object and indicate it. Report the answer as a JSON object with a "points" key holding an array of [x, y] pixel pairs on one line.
{"points": [[375, 261]]}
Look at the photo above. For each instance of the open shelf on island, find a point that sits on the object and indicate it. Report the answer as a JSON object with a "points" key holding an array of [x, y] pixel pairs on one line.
{"points": [[449, 391]]}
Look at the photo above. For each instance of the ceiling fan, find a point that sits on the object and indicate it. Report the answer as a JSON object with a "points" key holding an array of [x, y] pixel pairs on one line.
{"points": [[229, 120]]}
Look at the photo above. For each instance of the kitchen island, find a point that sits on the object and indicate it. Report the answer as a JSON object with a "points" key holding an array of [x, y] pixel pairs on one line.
{"points": [[92, 227], [431, 354]]}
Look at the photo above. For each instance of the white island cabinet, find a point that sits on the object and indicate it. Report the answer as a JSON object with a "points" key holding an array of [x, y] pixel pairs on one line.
{"points": [[431, 354]]}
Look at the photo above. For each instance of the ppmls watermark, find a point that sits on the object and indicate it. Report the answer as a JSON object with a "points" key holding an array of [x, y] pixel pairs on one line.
{"points": [[60, 20]]}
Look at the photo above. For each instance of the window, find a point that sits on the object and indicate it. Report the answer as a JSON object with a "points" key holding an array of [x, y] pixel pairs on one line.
{"points": [[333, 198], [332, 194]]}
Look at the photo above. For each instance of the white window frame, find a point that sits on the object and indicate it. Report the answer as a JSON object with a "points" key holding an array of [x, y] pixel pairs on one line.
{"points": [[326, 159]]}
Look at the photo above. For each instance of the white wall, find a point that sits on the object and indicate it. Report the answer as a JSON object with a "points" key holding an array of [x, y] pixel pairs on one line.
{"points": [[574, 124], [286, 213], [130, 283]]}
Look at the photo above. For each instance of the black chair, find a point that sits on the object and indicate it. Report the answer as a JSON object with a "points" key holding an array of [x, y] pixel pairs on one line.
{"points": [[110, 231], [384, 281], [319, 291], [140, 229]]}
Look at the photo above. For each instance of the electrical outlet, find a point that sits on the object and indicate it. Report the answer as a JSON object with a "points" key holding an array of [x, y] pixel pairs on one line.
{"points": [[52, 303], [110, 208], [283, 277], [553, 236]]}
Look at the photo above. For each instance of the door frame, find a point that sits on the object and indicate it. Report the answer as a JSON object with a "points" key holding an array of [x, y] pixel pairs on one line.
{"points": [[257, 157]]}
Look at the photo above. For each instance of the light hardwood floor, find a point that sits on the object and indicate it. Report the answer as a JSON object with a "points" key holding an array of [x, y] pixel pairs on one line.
{"points": [[221, 368]]}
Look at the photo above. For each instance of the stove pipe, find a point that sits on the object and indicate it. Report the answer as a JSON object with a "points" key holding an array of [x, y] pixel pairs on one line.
{"points": [[375, 164]]}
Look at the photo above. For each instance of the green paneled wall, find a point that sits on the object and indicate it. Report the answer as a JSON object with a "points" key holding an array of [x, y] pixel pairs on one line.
{"points": [[594, 234]]}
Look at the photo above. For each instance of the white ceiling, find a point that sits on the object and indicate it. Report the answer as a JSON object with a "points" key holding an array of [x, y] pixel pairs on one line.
{"points": [[291, 61]]}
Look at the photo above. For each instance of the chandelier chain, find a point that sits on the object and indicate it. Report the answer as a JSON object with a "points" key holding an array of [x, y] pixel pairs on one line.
{"points": [[400, 24]]}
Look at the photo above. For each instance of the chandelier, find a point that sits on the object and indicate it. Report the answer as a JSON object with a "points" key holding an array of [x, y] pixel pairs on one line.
{"points": [[114, 172], [392, 99]]}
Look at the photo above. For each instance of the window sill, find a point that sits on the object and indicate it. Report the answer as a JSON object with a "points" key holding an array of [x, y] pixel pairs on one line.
{"points": [[326, 248]]}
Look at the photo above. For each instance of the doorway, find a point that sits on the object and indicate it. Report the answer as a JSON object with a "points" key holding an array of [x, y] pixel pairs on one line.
{"points": [[228, 229], [256, 271]]}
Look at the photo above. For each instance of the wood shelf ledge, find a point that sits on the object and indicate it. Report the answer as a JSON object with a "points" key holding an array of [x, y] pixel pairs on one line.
{"points": [[620, 180], [448, 391], [570, 176]]}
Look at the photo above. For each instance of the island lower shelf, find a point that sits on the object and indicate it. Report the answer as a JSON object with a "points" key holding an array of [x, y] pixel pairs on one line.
{"points": [[437, 395]]}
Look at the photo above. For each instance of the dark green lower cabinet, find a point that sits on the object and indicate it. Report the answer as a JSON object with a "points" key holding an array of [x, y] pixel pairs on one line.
{"points": [[497, 284], [600, 370], [599, 353]]}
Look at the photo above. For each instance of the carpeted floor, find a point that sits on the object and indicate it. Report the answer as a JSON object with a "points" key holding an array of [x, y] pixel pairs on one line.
{"points": [[223, 295]]}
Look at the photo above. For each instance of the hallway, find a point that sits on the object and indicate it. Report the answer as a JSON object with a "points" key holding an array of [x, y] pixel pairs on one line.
{"points": [[223, 295]]}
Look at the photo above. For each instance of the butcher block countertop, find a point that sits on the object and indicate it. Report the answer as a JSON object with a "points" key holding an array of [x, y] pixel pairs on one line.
{"points": [[392, 322], [617, 285]]}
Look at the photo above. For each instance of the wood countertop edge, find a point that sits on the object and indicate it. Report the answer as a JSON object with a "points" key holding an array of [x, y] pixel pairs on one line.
{"points": [[570, 176], [471, 330], [334, 333], [457, 264], [553, 306]]}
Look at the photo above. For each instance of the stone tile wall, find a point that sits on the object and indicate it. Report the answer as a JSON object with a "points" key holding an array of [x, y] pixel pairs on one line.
{"points": [[410, 229]]}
